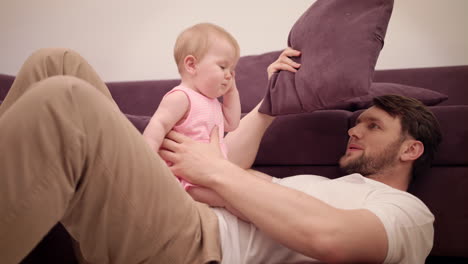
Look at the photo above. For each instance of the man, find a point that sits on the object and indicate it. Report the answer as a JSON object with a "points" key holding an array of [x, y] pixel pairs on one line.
{"points": [[67, 154], [390, 141]]}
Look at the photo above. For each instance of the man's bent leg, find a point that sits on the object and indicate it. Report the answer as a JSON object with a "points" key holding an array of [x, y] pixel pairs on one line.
{"points": [[48, 62], [67, 154]]}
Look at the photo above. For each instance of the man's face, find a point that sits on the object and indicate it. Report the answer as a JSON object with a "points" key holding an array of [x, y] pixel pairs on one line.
{"points": [[374, 143]]}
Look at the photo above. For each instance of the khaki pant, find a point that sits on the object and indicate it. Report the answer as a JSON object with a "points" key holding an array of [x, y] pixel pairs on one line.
{"points": [[68, 154]]}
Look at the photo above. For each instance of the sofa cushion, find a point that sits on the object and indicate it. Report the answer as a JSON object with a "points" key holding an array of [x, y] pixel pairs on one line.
{"points": [[449, 80], [5, 83], [339, 41], [427, 97], [454, 128], [252, 78], [139, 121], [443, 190], [317, 138], [140, 97]]}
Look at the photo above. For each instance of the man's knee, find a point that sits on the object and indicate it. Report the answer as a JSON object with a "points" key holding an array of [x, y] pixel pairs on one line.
{"points": [[53, 59], [64, 86], [53, 53], [60, 82]]}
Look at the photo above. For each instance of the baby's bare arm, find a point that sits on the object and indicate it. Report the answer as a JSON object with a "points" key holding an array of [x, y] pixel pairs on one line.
{"points": [[171, 109], [231, 108]]}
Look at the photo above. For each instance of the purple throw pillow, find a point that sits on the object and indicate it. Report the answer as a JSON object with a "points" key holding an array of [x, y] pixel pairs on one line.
{"points": [[340, 41], [252, 78], [426, 96]]}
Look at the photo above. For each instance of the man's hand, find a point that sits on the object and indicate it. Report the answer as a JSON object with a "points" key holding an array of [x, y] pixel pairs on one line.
{"points": [[284, 63], [194, 161]]}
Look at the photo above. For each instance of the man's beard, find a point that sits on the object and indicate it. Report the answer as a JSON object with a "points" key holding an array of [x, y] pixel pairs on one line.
{"points": [[371, 165]]}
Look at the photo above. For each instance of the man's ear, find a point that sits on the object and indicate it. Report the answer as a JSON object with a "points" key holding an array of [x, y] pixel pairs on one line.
{"points": [[190, 64], [411, 150]]}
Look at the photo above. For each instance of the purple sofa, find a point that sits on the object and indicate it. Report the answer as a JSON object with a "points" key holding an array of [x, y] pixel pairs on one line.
{"points": [[312, 144]]}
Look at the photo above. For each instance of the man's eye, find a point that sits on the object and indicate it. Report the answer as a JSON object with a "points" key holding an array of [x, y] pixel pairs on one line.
{"points": [[373, 126]]}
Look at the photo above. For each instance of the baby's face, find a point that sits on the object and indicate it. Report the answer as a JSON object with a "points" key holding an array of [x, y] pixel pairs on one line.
{"points": [[215, 71]]}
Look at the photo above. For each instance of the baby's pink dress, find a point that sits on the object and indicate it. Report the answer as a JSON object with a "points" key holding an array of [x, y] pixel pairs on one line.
{"points": [[204, 113]]}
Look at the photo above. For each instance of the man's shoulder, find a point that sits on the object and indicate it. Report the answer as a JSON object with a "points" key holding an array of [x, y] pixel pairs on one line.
{"points": [[400, 204]]}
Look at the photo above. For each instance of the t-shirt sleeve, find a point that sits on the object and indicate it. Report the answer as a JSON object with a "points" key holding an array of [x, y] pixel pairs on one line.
{"points": [[275, 179], [408, 223]]}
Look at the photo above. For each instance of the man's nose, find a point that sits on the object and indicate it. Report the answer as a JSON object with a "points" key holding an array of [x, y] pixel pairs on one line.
{"points": [[355, 131]]}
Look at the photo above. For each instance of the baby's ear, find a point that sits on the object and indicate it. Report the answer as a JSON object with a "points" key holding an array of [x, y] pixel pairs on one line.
{"points": [[412, 150], [190, 63]]}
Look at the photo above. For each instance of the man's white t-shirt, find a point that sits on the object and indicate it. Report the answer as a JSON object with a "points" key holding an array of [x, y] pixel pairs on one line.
{"points": [[407, 221]]}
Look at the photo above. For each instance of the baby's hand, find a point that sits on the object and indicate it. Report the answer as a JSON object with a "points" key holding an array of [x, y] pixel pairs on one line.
{"points": [[284, 62], [232, 83]]}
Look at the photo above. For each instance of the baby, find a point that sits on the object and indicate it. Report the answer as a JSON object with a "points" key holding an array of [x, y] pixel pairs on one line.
{"points": [[206, 56]]}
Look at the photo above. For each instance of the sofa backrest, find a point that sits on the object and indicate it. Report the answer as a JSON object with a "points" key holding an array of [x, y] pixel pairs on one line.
{"points": [[452, 81], [142, 97]]}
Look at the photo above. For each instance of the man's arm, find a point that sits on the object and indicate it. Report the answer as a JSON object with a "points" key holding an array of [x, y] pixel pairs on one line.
{"points": [[210, 197], [302, 222], [293, 218], [243, 143]]}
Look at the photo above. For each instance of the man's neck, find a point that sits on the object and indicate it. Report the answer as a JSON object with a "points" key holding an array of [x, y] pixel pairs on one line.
{"points": [[398, 180]]}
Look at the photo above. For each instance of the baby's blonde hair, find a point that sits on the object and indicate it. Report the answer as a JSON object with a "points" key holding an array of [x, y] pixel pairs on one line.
{"points": [[195, 41]]}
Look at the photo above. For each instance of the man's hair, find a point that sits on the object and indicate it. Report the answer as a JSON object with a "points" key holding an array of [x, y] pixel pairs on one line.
{"points": [[196, 41], [416, 120]]}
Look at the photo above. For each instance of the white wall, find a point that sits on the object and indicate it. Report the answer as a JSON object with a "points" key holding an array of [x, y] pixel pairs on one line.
{"points": [[132, 40]]}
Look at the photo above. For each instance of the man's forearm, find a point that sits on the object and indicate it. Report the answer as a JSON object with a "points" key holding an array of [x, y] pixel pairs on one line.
{"points": [[280, 212], [243, 143], [260, 175], [210, 197]]}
